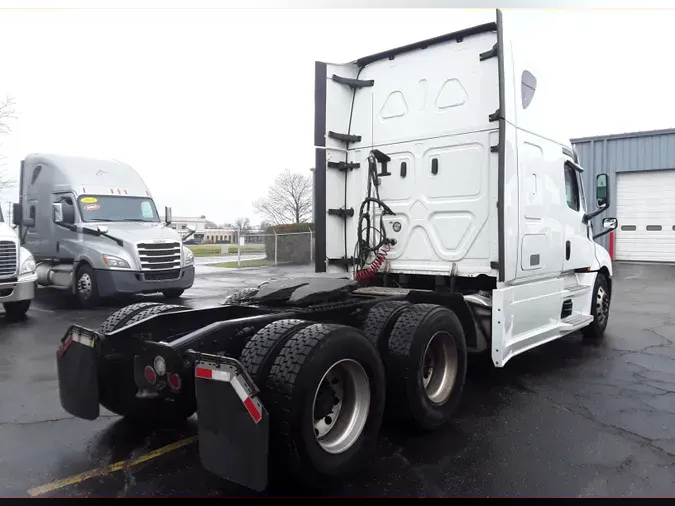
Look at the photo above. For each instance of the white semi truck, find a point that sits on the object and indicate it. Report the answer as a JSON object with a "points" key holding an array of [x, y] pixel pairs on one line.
{"points": [[452, 222], [17, 274], [94, 230]]}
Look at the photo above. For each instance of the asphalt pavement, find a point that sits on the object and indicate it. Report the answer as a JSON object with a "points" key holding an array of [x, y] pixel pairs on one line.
{"points": [[571, 418]]}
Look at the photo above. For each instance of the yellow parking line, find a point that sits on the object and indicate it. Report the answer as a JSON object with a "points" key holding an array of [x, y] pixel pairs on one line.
{"points": [[103, 471]]}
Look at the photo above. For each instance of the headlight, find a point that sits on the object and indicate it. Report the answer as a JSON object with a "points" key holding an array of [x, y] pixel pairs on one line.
{"points": [[188, 256], [112, 261], [28, 266]]}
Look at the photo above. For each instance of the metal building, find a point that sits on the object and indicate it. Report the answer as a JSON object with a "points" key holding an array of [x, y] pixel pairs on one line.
{"points": [[641, 168]]}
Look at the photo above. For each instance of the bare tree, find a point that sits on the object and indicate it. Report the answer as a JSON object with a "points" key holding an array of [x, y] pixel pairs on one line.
{"points": [[288, 200], [241, 225], [7, 113]]}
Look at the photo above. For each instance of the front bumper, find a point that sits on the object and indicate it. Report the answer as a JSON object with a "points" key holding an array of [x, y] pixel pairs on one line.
{"points": [[111, 283], [15, 291]]}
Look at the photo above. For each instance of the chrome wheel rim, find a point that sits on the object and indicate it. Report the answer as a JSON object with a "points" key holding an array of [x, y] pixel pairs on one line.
{"points": [[439, 368], [601, 305], [84, 285], [341, 406]]}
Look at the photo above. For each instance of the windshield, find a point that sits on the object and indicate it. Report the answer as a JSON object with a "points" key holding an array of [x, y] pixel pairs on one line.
{"points": [[114, 208]]}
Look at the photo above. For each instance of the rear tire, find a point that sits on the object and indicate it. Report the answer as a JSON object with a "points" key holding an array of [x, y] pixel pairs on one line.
{"points": [[599, 309], [262, 349], [426, 366], [325, 395], [86, 287], [117, 388], [15, 311], [380, 321], [118, 319], [240, 296]]}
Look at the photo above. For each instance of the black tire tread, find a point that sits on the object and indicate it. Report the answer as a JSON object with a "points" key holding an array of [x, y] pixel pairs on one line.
{"points": [[259, 349], [281, 382], [153, 310], [377, 319], [118, 318], [591, 331], [240, 296], [399, 370]]}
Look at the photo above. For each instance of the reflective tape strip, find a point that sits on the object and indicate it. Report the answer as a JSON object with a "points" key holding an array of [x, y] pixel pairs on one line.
{"points": [[87, 341], [252, 405], [214, 374]]}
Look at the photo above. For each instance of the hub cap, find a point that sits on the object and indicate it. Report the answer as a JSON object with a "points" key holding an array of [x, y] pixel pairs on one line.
{"points": [[602, 305], [84, 285], [439, 369], [341, 406]]}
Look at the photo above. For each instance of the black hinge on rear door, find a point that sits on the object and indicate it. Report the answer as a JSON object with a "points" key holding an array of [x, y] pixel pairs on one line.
{"points": [[342, 213], [344, 137], [343, 166], [353, 83], [490, 54]]}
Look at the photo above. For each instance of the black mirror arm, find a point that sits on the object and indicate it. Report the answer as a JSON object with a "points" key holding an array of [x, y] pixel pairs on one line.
{"points": [[604, 232], [589, 216]]}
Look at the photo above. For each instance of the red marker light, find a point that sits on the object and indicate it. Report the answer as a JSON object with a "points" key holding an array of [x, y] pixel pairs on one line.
{"points": [[150, 375], [174, 381]]}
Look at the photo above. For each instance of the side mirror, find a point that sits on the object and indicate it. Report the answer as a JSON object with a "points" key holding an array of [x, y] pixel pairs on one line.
{"points": [[17, 213], [57, 213], [168, 218], [608, 225], [602, 190], [191, 231]]}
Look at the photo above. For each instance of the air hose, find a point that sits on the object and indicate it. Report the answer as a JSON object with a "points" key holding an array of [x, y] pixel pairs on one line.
{"points": [[364, 249]]}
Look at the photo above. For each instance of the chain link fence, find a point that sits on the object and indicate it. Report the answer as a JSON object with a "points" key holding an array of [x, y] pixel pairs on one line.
{"points": [[275, 249]]}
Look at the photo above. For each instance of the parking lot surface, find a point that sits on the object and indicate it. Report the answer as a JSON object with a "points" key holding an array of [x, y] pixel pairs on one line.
{"points": [[571, 418]]}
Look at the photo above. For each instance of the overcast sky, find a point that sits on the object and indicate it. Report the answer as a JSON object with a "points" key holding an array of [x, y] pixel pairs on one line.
{"points": [[210, 105]]}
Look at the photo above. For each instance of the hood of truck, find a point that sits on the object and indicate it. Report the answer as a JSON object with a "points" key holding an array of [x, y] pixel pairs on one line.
{"points": [[6, 232], [134, 232]]}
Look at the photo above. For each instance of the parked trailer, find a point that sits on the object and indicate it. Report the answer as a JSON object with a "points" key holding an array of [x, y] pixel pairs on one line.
{"points": [[473, 237]]}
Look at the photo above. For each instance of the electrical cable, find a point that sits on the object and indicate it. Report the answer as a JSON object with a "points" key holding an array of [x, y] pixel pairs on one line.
{"points": [[363, 247]]}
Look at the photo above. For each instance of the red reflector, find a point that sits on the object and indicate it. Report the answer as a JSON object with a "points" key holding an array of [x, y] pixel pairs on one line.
{"points": [[65, 346], [202, 372], [150, 375], [174, 381], [253, 411]]}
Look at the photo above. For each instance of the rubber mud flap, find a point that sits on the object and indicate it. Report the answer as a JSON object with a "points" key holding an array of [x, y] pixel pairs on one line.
{"points": [[233, 441], [77, 370]]}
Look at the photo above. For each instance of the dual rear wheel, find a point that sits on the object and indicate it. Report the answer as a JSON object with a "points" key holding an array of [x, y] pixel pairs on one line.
{"points": [[327, 388]]}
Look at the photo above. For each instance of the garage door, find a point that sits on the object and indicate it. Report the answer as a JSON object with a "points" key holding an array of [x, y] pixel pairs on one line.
{"points": [[645, 204]]}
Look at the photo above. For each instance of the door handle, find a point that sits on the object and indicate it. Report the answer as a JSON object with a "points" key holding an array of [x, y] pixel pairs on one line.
{"points": [[568, 250]]}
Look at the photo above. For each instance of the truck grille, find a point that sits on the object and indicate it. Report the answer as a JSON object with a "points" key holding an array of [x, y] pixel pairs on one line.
{"points": [[159, 255], [7, 259]]}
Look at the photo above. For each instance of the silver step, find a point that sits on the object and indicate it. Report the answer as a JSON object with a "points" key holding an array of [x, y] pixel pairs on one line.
{"points": [[577, 320]]}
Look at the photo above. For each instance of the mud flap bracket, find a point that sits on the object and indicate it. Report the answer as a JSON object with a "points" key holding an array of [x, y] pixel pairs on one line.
{"points": [[233, 424], [77, 370]]}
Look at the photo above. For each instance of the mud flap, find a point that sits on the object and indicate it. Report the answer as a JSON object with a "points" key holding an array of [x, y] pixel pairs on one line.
{"points": [[232, 422], [77, 371]]}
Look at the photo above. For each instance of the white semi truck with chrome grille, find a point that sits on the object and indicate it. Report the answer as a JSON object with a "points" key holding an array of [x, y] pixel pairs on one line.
{"points": [[93, 228], [17, 274], [452, 220]]}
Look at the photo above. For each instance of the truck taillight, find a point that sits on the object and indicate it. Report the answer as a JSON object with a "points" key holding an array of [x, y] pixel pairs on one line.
{"points": [[150, 375], [174, 381]]}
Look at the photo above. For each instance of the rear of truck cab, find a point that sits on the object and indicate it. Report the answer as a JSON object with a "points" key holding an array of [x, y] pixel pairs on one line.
{"points": [[475, 186]]}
